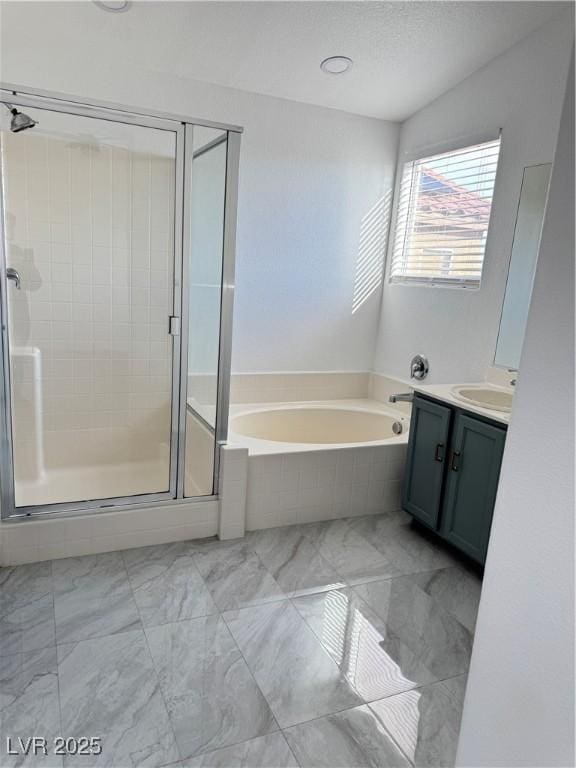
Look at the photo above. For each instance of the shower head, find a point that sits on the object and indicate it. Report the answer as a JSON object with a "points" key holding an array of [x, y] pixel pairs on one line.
{"points": [[20, 120]]}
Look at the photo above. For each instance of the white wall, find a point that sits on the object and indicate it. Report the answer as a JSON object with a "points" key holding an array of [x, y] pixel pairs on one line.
{"points": [[308, 178], [521, 92], [519, 707]]}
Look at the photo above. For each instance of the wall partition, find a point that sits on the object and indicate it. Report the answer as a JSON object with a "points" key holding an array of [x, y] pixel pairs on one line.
{"points": [[116, 287]]}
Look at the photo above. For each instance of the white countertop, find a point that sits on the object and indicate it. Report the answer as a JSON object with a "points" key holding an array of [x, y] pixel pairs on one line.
{"points": [[444, 392]]}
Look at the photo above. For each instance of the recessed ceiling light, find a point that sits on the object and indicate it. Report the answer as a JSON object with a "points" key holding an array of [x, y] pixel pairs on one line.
{"points": [[336, 65], [114, 6]]}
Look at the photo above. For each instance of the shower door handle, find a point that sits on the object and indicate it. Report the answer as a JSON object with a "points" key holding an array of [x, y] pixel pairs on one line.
{"points": [[13, 274]]}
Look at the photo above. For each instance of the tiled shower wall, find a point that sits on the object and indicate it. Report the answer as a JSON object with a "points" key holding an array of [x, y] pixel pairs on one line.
{"points": [[89, 228]]}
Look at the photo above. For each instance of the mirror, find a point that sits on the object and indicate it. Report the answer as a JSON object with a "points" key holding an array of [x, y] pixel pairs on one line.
{"points": [[523, 260]]}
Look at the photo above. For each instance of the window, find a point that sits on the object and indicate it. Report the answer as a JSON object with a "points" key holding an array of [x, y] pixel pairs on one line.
{"points": [[443, 217]]}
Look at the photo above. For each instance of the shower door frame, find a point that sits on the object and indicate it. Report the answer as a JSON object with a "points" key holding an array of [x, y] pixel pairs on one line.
{"points": [[183, 128]]}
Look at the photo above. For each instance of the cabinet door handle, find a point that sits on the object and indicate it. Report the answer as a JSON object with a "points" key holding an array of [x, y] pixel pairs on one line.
{"points": [[455, 464], [439, 452]]}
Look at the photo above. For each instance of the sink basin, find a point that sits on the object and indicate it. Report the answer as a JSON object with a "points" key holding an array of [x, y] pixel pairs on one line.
{"points": [[485, 397]]}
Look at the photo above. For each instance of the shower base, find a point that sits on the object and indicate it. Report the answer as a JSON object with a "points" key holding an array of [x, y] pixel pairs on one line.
{"points": [[99, 481]]}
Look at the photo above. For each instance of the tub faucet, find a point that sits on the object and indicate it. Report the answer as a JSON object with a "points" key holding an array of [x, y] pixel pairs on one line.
{"points": [[406, 397]]}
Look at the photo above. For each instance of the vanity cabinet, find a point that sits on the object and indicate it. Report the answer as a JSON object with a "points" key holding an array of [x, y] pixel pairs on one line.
{"points": [[427, 451], [452, 471]]}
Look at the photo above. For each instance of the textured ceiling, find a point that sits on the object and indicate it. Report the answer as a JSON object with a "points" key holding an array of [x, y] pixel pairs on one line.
{"points": [[405, 53]]}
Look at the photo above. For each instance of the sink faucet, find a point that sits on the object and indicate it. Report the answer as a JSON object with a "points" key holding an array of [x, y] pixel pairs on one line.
{"points": [[406, 397]]}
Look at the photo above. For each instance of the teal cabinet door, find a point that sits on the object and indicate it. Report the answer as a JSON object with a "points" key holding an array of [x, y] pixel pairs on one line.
{"points": [[471, 484], [425, 462]]}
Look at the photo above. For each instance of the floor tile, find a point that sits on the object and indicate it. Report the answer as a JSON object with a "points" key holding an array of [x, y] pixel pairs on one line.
{"points": [[434, 636], [350, 739], [211, 696], [81, 618], [92, 597], [29, 704], [375, 662], [385, 523], [20, 583], [26, 608], [109, 688], [297, 676], [407, 548], [271, 751], [364, 665], [166, 584], [349, 553], [293, 560], [91, 575], [425, 722], [236, 577], [27, 625], [456, 590]]}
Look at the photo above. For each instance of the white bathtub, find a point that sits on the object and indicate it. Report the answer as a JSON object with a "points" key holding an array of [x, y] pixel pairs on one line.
{"points": [[319, 425], [296, 427], [317, 461]]}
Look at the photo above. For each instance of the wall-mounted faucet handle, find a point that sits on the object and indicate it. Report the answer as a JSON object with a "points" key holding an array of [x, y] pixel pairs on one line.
{"points": [[419, 367], [13, 274]]}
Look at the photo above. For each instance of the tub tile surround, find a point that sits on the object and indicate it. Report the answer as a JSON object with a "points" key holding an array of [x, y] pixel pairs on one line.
{"points": [[284, 489], [284, 484], [278, 670], [232, 482], [291, 387], [276, 387]]}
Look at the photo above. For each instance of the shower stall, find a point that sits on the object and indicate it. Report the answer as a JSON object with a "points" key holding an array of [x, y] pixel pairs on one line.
{"points": [[116, 288]]}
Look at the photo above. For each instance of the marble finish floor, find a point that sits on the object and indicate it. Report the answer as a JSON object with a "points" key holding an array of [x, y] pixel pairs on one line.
{"points": [[344, 643]]}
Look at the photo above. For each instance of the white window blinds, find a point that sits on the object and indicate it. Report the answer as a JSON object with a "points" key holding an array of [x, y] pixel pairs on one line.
{"points": [[443, 217]]}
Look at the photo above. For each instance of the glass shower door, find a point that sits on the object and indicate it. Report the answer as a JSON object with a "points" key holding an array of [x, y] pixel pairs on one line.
{"points": [[89, 219], [207, 223]]}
